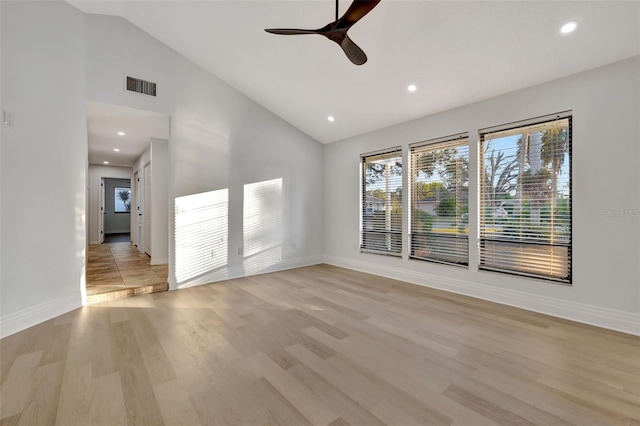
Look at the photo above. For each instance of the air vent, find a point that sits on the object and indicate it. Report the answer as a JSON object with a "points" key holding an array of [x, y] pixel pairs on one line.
{"points": [[140, 86]]}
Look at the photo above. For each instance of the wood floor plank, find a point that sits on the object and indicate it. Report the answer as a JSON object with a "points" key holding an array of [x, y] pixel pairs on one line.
{"points": [[554, 403], [108, 402], [519, 405], [619, 401], [141, 405], [55, 344], [330, 396], [256, 403], [10, 421], [155, 359], [23, 343], [339, 422], [295, 392], [368, 391], [318, 345], [486, 408], [175, 404], [16, 387], [42, 403], [76, 393], [413, 337]]}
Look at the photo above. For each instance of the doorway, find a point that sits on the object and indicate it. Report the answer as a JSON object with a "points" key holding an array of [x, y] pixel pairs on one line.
{"points": [[116, 202], [126, 255]]}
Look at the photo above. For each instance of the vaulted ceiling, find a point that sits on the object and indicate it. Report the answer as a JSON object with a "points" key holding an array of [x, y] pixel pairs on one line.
{"points": [[455, 52]]}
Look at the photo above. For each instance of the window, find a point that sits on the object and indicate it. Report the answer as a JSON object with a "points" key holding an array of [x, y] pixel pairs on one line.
{"points": [[122, 199], [381, 216], [525, 199], [439, 183]]}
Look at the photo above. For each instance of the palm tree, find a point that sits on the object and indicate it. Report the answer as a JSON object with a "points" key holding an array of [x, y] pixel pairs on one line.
{"points": [[555, 143], [124, 196]]}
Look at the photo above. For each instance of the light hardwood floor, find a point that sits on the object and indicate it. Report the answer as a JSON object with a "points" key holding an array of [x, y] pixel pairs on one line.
{"points": [[118, 270], [318, 345]]}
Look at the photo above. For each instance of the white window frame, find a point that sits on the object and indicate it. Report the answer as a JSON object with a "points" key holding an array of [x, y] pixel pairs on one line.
{"points": [[451, 249], [392, 244], [526, 255]]}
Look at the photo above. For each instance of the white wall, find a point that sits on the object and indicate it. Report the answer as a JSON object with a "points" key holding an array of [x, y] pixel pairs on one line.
{"points": [[1, 133], [44, 162], [160, 171], [219, 139], [139, 163], [606, 176], [96, 173]]}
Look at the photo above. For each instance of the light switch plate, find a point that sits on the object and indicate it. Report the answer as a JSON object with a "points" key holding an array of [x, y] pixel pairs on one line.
{"points": [[7, 118]]}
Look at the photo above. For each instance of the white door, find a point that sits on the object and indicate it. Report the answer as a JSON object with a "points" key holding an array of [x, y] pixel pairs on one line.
{"points": [[139, 211], [147, 208], [101, 213]]}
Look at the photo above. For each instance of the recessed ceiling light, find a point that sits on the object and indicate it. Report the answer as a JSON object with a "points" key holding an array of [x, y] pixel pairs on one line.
{"points": [[331, 118], [412, 88], [116, 149], [569, 27], [121, 133], [105, 162]]}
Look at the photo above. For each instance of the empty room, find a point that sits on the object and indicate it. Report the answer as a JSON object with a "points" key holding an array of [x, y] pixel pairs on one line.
{"points": [[369, 212]]}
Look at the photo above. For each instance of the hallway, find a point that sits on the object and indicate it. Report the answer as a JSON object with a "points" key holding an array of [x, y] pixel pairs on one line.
{"points": [[118, 270]]}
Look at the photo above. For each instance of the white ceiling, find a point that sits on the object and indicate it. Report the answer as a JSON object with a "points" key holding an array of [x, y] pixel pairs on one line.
{"points": [[456, 52], [104, 121]]}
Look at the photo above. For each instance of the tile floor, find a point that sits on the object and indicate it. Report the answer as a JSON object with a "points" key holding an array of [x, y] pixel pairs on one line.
{"points": [[118, 270]]}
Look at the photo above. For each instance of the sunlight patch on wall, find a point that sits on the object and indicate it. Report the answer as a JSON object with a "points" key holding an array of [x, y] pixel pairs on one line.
{"points": [[262, 219], [201, 233]]}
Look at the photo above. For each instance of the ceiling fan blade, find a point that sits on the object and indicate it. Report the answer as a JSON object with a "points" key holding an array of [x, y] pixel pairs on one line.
{"points": [[290, 31], [356, 11], [353, 52]]}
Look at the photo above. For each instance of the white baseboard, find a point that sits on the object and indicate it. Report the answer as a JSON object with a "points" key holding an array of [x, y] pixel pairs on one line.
{"points": [[612, 319], [21, 320], [155, 261], [225, 273]]}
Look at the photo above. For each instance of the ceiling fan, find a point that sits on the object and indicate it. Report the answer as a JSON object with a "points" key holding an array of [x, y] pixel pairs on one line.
{"points": [[337, 30]]}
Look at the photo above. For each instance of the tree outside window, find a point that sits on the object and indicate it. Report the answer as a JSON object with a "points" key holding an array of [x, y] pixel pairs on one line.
{"points": [[439, 183]]}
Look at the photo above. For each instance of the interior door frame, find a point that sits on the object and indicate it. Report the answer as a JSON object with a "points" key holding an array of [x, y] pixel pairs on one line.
{"points": [[138, 179], [147, 213], [101, 211]]}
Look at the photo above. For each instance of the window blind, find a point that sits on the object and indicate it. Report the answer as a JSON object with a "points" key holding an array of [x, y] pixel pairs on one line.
{"points": [[381, 199], [525, 198], [440, 200]]}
